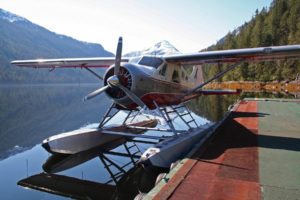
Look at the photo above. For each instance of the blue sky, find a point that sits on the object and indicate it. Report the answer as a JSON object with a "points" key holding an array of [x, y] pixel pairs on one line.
{"points": [[189, 25]]}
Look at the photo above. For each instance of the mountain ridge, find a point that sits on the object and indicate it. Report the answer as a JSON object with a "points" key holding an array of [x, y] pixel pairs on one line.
{"points": [[6, 15], [22, 39]]}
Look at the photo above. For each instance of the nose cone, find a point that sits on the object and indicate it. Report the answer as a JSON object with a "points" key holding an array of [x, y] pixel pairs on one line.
{"points": [[113, 80]]}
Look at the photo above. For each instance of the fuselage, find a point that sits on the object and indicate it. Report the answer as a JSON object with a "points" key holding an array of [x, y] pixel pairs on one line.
{"points": [[152, 79]]}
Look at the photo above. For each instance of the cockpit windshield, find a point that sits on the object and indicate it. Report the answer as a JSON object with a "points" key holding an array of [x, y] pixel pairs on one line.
{"points": [[135, 60], [151, 61]]}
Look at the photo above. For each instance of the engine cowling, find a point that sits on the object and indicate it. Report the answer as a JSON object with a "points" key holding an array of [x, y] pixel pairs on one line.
{"points": [[125, 79]]}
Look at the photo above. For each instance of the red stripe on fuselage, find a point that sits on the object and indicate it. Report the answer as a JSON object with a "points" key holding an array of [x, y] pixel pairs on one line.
{"points": [[168, 99]]}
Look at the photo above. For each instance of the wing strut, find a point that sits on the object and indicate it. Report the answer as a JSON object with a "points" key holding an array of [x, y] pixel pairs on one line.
{"points": [[94, 73], [220, 74]]}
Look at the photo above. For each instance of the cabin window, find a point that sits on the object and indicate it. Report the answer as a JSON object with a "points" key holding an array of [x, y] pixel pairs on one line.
{"points": [[151, 61], [196, 74], [163, 70], [183, 75], [175, 76], [188, 69]]}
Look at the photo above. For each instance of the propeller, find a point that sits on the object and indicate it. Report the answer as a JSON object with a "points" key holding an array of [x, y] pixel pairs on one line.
{"points": [[95, 93], [114, 80], [132, 96], [118, 57], [116, 72]]}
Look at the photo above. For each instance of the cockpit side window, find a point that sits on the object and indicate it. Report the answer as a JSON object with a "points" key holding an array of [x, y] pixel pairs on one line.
{"points": [[175, 76], [196, 74], [163, 70]]}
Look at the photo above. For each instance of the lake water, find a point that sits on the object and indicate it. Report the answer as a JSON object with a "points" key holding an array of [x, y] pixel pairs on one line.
{"points": [[31, 113]]}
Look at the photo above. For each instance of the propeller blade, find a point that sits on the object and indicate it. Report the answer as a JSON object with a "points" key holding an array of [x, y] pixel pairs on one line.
{"points": [[118, 56], [95, 93], [132, 96]]}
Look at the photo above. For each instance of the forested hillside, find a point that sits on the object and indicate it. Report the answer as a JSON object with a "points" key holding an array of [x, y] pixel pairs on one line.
{"points": [[277, 25], [21, 39]]}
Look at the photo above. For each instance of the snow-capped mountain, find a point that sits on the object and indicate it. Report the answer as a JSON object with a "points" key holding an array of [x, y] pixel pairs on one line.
{"points": [[161, 48], [10, 16]]}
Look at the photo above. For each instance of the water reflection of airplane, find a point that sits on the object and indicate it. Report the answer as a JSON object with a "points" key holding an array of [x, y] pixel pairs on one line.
{"points": [[127, 180], [152, 86]]}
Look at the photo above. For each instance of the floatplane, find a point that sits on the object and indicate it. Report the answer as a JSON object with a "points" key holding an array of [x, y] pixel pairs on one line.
{"points": [[148, 90]]}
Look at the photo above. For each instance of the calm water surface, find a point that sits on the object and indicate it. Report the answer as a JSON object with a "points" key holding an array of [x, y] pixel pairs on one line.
{"points": [[31, 113]]}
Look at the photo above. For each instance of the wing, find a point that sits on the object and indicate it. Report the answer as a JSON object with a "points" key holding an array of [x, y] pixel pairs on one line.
{"points": [[98, 62], [236, 55]]}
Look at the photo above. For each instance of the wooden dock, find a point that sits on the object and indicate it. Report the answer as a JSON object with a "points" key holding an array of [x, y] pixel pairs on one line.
{"points": [[254, 154]]}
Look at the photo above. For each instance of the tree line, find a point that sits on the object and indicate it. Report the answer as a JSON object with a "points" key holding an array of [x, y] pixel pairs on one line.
{"points": [[277, 25]]}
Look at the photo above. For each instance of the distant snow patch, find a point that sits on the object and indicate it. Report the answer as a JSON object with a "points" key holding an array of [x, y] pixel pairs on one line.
{"points": [[161, 48], [8, 16]]}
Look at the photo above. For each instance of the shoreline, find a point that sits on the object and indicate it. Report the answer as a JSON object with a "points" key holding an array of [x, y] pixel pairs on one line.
{"points": [[256, 86], [3, 85]]}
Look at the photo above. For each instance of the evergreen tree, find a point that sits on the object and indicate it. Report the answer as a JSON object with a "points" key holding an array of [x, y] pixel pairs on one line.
{"points": [[278, 25]]}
